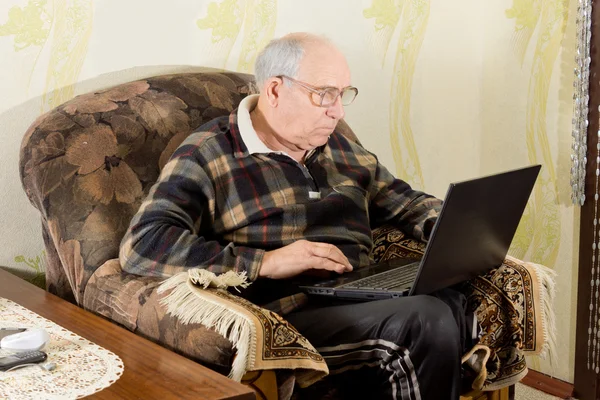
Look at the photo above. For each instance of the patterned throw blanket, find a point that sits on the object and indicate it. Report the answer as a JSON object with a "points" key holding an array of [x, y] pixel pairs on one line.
{"points": [[263, 340], [512, 304]]}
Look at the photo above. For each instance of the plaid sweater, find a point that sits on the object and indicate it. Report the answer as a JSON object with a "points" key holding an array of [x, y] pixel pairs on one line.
{"points": [[216, 206]]}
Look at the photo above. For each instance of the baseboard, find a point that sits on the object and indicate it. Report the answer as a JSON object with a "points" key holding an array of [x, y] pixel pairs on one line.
{"points": [[548, 384]]}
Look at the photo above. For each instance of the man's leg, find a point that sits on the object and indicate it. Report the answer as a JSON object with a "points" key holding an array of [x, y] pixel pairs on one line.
{"points": [[409, 347]]}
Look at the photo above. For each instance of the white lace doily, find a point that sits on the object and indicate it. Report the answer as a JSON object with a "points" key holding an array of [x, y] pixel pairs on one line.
{"points": [[82, 367]]}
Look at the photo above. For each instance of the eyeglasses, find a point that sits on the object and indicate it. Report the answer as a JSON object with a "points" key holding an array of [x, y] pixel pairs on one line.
{"points": [[327, 95]]}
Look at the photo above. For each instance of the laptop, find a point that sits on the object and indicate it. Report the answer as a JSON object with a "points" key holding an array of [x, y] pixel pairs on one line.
{"points": [[472, 235]]}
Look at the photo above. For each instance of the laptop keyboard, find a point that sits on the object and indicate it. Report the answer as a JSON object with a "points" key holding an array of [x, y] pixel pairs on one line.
{"points": [[398, 277]]}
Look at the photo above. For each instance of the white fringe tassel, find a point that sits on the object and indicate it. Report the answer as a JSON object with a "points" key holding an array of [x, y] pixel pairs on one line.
{"points": [[547, 285], [204, 278], [184, 304]]}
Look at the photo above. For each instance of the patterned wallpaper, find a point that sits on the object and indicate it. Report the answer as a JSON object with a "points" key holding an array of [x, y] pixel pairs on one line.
{"points": [[543, 210], [448, 91]]}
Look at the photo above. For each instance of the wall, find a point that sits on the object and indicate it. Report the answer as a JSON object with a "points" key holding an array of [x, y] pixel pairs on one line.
{"points": [[449, 90]]}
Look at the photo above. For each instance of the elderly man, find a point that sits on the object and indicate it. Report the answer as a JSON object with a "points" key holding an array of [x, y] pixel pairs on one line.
{"points": [[274, 191]]}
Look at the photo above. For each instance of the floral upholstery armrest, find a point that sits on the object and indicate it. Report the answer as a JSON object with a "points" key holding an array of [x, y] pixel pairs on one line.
{"points": [[263, 347], [512, 304], [133, 302]]}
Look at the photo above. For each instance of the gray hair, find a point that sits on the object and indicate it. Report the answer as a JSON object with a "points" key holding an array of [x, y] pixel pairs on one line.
{"points": [[280, 57]]}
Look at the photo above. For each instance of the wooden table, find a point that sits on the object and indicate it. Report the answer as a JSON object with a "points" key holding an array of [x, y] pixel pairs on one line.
{"points": [[151, 371]]}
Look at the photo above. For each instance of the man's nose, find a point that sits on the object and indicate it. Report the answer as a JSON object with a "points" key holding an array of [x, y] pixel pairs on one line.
{"points": [[336, 110]]}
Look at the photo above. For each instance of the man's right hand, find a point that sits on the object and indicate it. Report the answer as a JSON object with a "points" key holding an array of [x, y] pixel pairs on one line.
{"points": [[300, 256]]}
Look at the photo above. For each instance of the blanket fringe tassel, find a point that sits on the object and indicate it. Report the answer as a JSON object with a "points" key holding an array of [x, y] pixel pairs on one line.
{"points": [[184, 304], [547, 284]]}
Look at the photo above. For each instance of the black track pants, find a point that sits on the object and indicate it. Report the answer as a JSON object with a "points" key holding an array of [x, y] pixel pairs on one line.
{"points": [[406, 348]]}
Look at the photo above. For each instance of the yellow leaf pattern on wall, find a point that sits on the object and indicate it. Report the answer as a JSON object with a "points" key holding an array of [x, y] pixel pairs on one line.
{"points": [[525, 12], [70, 38], [259, 28], [412, 23], [30, 25], [527, 15], [542, 211], [226, 19], [37, 265], [386, 14]]}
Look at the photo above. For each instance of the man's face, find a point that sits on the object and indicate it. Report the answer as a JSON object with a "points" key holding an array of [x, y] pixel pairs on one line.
{"points": [[303, 123]]}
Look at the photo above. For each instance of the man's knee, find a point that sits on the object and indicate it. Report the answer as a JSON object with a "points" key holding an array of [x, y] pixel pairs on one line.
{"points": [[435, 324]]}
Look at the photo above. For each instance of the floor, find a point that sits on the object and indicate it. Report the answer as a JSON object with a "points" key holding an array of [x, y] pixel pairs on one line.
{"points": [[523, 392]]}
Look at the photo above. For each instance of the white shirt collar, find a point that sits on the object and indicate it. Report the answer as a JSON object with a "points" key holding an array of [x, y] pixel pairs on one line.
{"points": [[247, 132]]}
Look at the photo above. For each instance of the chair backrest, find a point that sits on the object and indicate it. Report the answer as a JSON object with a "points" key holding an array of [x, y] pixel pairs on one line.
{"points": [[87, 164]]}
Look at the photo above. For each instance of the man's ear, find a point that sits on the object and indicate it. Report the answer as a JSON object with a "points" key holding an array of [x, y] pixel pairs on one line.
{"points": [[272, 89]]}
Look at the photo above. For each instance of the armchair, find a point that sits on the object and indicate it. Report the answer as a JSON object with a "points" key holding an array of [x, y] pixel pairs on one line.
{"points": [[87, 165]]}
